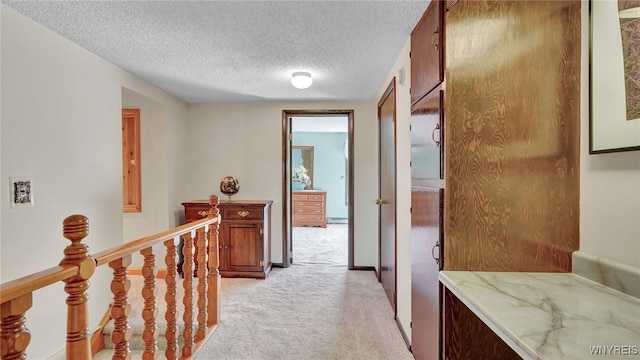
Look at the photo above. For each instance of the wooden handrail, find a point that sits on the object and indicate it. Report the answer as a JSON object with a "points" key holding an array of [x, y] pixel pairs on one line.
{"points": [[114, 253], [30, 283], [78, 266]]}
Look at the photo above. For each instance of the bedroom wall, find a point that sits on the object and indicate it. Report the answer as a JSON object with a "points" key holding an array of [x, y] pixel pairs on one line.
{"points": [[329, 166]]}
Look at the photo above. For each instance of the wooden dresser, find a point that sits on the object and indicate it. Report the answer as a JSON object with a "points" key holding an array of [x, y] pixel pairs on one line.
{"points": [[309, 208], [244, 236]]}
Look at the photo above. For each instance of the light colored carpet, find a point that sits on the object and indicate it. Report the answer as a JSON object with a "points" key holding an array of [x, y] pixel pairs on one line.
{"points": [[315, 309]]}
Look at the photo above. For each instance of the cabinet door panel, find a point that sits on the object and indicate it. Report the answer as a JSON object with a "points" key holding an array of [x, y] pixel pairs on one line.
{"points": [[243, 248], [426, 261], [426, 52], [427, 137]]}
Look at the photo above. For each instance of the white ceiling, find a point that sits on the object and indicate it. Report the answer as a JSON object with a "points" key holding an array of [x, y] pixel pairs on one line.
{"points": [[227, 51]]}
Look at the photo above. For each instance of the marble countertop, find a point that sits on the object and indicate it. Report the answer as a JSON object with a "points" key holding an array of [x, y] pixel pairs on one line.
{"points": [[552, 315]]}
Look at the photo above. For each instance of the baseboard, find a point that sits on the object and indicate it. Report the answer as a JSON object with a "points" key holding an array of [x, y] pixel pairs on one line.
{"points": [[404, 334], [277, 265], [363, 268], [337, 221]]}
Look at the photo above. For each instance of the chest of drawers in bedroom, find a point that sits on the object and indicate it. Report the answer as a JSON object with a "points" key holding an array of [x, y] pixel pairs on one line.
{"points": [[309, 208]]}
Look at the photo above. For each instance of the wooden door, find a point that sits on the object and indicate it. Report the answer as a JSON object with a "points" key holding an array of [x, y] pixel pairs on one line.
{"points": [[387, 193], [131, 173], [426, 260], [242, 247], [427, 67]]}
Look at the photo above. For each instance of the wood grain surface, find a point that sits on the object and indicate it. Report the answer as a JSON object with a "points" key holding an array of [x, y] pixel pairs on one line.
{"points": [[512, 135]]}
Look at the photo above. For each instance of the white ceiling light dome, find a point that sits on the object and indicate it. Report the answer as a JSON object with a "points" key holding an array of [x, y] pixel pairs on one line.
{"points": [[301, 79]]}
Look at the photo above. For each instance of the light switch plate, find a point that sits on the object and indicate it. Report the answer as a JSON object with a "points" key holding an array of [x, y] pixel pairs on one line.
{"points": [[21, 191]]}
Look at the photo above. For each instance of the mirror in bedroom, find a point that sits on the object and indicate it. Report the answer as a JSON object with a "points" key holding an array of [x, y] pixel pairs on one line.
{"points": [[302, 167]]}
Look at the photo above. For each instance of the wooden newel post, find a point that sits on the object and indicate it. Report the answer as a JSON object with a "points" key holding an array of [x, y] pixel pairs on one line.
{"points": [[76, 228], [214, 281]]}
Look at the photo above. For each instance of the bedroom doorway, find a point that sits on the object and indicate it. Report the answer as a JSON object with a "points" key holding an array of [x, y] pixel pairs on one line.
{"points": [[318, 187]]}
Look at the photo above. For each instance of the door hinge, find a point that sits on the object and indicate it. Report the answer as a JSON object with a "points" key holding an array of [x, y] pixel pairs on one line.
{"points": [[261, 231], [410, 324]]}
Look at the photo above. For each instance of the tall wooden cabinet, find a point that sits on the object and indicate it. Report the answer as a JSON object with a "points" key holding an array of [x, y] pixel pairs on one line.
{"points": [[509, 150], [244, 236], [427, 183]]}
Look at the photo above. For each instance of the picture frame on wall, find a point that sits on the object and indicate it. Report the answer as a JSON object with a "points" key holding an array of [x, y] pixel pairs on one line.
{"points": [[614, 116]]}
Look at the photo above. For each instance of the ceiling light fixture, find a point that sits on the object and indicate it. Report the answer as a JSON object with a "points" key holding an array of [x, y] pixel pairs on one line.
{"points": [[301, 80]]}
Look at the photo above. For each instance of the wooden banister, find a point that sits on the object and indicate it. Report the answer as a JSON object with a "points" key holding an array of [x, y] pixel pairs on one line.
{"points": [[76, 228], [78, 266]]}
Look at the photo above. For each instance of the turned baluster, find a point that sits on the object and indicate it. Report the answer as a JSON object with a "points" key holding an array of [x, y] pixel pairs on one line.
{"points": [[213, 278], [201, 245], [171, 315], [121, 308], [149, 292], [187, 299], [14, 335], [76, 228]]}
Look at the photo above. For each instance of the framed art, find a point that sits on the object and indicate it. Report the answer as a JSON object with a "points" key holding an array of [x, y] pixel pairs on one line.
{"points": [[21, 191], [614, 123]]}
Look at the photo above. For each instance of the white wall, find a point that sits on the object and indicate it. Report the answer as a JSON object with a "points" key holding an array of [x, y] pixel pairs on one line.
{"points": [[403, 184], [609, 187], [61, 125], [244, 140]]}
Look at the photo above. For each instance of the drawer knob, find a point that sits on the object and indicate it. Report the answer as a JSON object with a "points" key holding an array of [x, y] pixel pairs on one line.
{"points": [[203, 213], [243, 213]]}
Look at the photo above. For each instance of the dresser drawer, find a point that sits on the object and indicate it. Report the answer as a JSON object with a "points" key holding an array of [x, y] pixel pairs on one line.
{"points": [[309, 209], [319, 219], [315, 197], [196, 213], [301, 197], [242, 213]]}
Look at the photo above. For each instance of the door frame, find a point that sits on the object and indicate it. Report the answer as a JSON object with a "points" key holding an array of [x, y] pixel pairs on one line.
{"points": [[286, 179], [390, 91]]}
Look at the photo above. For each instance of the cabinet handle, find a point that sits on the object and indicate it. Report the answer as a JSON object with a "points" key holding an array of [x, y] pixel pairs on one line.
{"points": [[435, 39], [433, 135], [203, 213], [243, 213], [433, 250]]}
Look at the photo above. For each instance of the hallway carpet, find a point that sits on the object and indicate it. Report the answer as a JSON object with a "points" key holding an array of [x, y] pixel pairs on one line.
{"points": [[314, 310]]}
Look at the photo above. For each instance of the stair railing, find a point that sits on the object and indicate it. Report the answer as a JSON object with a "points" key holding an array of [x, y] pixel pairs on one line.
{"points": [[78, 266]]}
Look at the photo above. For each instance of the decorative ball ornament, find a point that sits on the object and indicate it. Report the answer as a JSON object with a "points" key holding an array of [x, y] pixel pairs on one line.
{"points": [[229, 186]]}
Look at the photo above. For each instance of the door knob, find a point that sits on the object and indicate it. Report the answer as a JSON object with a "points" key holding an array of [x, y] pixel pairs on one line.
{"points": [[380, 202]]}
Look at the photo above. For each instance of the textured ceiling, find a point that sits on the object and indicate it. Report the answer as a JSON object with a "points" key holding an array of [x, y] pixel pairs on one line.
{"points": [[222, 51]]}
